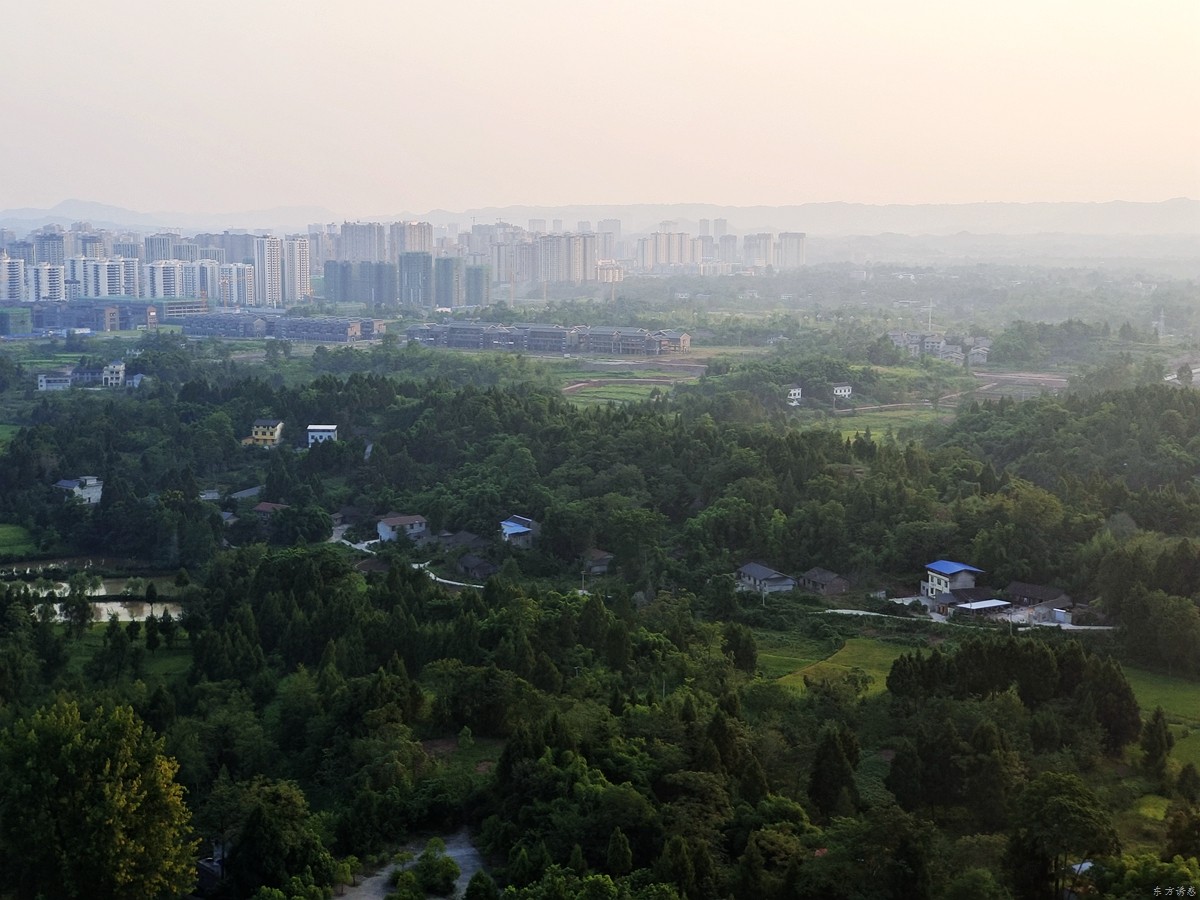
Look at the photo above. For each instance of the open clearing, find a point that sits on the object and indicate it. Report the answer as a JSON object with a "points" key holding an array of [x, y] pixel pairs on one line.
{"points": [[880, 420], [872, 656], [15, 540]]}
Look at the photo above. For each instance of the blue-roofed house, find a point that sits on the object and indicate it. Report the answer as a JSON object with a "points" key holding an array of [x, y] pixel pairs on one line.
{"points": [[944, 575], [519, 531]]}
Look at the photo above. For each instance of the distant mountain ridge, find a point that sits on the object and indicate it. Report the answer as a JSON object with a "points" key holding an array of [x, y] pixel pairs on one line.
{"points": [[1180, 216]]}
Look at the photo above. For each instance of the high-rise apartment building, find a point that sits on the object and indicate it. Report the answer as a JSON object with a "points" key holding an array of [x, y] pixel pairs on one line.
{"points": [[128, 249], [720, 229], [94, 246], [758, 249], [296, 275], [416, 279], [12, 279], [236, 285], [705, 228], [160, 246], [131, 275], [105, 277], [790, 250], [727, 248], [23, 250], [478, 285], [409, 237], [201, 279], [45, 282], [448, 288], [49, 247], [610, 226], [73, 270], [185, 251], [363, 242], [268, 272], [162, 279], [537, 226]]}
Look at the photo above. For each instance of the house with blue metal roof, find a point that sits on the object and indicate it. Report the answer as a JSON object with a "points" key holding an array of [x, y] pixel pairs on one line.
{"points": [[944, 575], [519, 531]]}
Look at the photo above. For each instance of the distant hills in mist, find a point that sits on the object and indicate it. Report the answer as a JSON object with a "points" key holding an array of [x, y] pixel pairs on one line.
{"points": [[1170, 217]]}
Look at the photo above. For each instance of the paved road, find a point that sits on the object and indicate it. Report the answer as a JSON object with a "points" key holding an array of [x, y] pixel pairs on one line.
{"points": [[458, 847]]}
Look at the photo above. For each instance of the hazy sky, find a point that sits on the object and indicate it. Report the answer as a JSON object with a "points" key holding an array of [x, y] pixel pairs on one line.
{"points": [[372, 107]]}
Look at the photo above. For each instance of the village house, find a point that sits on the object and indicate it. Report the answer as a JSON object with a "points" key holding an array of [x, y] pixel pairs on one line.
{"points": [[763, 580], [319, 434], [265, 510], [1023, 594], [943, 575], [476, 567], [519, 531], [795, 392], [87, 488], [963, 598], [265, 433], [842, 390], [415, 528], [821, 581], [53, 382], [596, 562]]}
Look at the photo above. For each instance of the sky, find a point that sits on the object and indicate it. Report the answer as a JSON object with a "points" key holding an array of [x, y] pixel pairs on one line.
{"points": [[376, 107]]}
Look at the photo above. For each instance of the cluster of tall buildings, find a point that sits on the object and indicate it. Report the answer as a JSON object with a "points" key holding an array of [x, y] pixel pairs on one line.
{"points": [[416, 264], [409, 263], [232, 269]]}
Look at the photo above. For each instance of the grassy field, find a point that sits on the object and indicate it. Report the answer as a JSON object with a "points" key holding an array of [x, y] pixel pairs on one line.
{"points": [[872, 656], [780, 655], [1179, 698], [15, 541], [880, 420], [162, 664], [6, 432], [618, 393]]}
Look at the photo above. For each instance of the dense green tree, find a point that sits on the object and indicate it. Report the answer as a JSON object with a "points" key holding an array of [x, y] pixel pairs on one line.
{"points": [[1060, 822], [831, 785], [1157, 742], [89, 807], [277, 841]]}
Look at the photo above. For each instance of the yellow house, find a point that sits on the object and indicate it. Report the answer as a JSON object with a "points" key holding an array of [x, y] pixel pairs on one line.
{"points": [[266, 432]]}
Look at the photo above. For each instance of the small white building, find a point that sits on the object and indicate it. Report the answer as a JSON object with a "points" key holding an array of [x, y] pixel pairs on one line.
{"points": [[842, 390], [87, 488], [944, 575], [795, 392], [53, 382], [763, 580], [415, 528], [113, 375], [319, 434]]}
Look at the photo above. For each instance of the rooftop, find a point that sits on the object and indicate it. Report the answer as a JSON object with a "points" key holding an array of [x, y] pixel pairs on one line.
{"points": [[949, 567]]}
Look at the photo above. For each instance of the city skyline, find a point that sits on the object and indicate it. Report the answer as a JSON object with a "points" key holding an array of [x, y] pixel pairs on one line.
{"points": [[767, 103]]}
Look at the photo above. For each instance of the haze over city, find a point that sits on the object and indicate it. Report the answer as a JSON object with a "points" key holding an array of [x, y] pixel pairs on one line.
{"points": [[377, 108]]}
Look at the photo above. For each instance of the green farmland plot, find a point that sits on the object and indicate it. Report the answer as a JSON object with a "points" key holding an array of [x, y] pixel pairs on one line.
{"points": [[872, 656], [1180, 700], [880, 420], [15, 541]]}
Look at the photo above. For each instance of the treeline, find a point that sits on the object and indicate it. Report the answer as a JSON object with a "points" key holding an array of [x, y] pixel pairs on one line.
{"points": [[681, 488], [642, 756]]}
